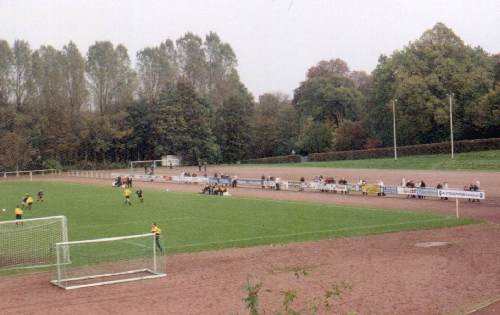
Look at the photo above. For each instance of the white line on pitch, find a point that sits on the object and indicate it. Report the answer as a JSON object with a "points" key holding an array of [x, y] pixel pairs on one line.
{"points": [[309, 232]]}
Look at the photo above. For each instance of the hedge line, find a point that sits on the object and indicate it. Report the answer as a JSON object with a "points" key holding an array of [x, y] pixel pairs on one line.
{"points": [[420, 149], [274, 159]]}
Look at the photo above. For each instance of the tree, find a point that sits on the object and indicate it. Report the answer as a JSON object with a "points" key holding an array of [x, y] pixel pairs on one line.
{"points": [[221, 64], [141, 119], [110, 76], [22, 75], [235, 133], [331, 99], [74, 78], [182, 126], [420, 76], [6, 67], [276, 125], [193, 67], [315, 136], [15, 151], [329, 68], [350, 136], [157, 69]]}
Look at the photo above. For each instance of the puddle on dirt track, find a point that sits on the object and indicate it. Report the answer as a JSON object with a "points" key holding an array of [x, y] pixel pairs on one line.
{"points": [[431, 244]]}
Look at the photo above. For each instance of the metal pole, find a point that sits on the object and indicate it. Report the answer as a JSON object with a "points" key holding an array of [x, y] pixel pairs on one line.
{"points": [[154, 253], [456, 206], [394, 128], [451, 126]]}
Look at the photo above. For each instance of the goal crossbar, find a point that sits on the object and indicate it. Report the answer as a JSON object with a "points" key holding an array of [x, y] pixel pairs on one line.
{"points": [[101, 272], [34, 219], [151, 275], [107, 239]]}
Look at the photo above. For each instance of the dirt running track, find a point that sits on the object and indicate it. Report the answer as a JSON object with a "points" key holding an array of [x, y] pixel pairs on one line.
{"points": [[388, 273]]}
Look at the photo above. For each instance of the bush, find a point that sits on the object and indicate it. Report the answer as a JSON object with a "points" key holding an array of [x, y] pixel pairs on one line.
{"points": [[421, 149], [51, 164], [275, 159], [88, 165]]}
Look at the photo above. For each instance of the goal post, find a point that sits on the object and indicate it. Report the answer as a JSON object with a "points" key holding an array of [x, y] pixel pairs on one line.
{"points": [[146, 166], [31, 243], [108, 260]]}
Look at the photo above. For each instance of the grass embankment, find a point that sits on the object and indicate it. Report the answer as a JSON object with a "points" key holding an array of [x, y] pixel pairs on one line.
{"points": [[476, 161]]}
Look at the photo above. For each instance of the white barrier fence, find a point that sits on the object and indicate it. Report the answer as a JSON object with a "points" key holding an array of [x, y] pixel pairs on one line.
{"points": [[316, 186], [91, 174], [30, 173]]}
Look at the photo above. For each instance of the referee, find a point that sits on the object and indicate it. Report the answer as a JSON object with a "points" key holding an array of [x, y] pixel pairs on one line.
{"points": [[155, 229]]}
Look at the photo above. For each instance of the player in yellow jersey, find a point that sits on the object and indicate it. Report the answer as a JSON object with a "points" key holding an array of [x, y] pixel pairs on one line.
{"points": [[19, 214], [29, 201], [155, 229], [127, 193]]}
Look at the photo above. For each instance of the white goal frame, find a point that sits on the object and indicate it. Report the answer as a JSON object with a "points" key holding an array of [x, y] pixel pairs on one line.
{"points": [[64, 234], [61, 282], [153, 162]]}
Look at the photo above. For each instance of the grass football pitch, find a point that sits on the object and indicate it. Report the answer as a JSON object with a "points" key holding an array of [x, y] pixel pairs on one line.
{"points": [[478, 161], [195, 222]]}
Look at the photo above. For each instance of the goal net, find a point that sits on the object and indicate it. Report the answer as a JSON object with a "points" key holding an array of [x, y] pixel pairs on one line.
{"points": [[147, 167], [30, 243], [108, 260]]}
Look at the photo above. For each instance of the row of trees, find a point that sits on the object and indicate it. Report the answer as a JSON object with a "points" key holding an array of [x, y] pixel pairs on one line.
{"points": [[185, 97]]}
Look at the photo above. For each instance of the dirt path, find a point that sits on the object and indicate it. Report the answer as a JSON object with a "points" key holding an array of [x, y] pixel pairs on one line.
{"points": [[388, 275]]}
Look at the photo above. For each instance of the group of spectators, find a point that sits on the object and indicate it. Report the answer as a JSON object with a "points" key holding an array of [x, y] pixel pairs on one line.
{"points": [[123, 181], [270, 182], [216, 190], [226, 180], [473, 187]]}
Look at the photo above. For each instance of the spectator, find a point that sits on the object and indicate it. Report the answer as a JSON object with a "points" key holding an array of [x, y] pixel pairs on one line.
{"points": [[381, 187], [439, 186], [302, 184]]}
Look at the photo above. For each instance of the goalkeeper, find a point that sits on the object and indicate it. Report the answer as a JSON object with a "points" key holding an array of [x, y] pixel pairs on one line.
{"points": [[155, 229]]}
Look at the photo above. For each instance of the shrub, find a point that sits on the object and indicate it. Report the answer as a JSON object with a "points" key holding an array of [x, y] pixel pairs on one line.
{"points": [[275, 159], [421, 149]]}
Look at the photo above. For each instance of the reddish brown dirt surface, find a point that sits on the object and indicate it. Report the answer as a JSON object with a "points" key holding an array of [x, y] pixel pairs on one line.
{"points": [[388, 273]]}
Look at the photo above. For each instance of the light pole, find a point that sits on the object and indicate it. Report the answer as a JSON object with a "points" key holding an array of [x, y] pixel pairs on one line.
{"points": [[450, 95], [394, 128]]}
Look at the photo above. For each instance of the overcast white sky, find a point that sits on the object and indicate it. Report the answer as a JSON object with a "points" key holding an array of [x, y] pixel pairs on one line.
{"points": [[275, 41]]}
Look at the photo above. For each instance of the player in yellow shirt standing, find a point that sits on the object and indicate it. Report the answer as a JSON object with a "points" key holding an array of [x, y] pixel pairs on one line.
{"points": [[127, 193], [29, 201], [19, 214], [155, 229]]}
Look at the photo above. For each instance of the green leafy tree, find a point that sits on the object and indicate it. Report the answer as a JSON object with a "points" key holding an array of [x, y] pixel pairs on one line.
{"points": [[276, 125], [315, 136], [235, 129], [182, 126], [420, 76]]}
